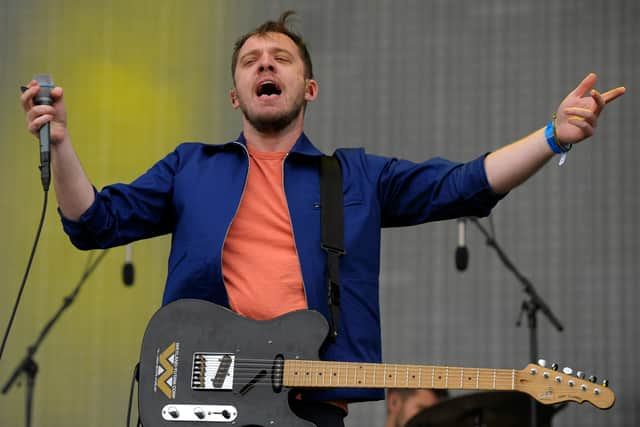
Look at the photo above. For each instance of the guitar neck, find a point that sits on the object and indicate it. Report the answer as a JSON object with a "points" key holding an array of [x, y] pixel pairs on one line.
{"points": [[320, 374]]}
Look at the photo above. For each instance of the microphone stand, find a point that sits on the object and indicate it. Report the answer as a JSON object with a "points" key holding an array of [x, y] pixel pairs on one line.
{"points": [[530, 305], [28, 366]]}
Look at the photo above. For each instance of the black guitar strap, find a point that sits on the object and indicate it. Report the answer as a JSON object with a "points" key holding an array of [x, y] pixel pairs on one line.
{"points": [[332, 226]]}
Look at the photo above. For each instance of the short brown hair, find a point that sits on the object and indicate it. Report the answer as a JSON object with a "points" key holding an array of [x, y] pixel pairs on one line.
{"points": [[279, 26]]}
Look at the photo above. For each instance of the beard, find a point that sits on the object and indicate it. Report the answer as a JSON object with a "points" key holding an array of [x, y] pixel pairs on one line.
{"points": [[273, 123]]}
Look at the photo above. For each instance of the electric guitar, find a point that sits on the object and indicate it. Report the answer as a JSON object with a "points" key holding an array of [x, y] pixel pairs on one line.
{"points": [[202, 364]]}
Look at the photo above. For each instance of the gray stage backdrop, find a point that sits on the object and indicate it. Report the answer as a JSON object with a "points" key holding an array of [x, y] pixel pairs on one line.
{"points": [[417, 79]]}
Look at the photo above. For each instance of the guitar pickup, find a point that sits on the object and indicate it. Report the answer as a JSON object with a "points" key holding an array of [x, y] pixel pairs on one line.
{"points": [[212, 371]]}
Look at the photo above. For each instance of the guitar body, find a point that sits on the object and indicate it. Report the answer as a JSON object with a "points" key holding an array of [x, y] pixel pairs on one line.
{"points": [[243, 360]]}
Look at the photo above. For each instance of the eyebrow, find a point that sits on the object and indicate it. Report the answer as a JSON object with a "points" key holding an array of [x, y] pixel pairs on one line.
{"points": [[273, 50]]}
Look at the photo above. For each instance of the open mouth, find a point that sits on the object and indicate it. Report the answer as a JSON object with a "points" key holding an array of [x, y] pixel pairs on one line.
{"points": [[268, 88]]}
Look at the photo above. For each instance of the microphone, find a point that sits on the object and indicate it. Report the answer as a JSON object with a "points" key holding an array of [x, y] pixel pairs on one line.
{"points": [[462, 253], [44, 98], [128, 272]]}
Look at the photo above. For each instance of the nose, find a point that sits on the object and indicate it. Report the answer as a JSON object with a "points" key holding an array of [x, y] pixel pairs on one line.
{"points": [[266, 64], [266, 67]]}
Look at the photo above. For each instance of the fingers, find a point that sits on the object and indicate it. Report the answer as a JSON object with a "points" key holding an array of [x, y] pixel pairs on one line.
{"points": [[613, 94], [26, 99], [599, 101], [40, 110], [579, 113], [585, 85], [35, 125], [583, 124], [38, 115], [56, 93]]}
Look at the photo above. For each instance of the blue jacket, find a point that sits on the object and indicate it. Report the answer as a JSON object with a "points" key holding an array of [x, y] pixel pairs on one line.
{"points": [[195, 191]]}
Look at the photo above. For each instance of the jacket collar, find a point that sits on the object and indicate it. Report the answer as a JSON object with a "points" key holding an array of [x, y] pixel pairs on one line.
{"points": [[302, 146]]}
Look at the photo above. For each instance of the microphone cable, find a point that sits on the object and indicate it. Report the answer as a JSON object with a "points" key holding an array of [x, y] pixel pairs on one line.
{"points": [[26, 273]]}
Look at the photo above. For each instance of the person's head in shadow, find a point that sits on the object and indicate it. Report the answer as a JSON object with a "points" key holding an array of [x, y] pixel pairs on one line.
{"points": [[403, 404]]}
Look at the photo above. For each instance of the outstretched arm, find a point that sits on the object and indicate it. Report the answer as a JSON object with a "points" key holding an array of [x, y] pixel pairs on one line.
{"points": [[576, 120]]}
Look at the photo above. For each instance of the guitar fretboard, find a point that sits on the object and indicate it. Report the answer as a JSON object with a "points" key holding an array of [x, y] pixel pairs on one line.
{"points": [[306, 373]]}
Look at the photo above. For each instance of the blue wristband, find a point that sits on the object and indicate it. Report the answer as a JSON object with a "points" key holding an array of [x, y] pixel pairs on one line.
{"points": [[549, 133]]}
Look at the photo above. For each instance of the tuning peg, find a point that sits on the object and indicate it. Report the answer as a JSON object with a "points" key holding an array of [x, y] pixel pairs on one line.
{"points": [[593, 379], [554, 366], [542, 363], [567, 370], [605, 383], [580, 375]]}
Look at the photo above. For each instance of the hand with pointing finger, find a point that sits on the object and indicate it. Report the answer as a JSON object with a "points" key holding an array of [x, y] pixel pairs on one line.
{"points": [[577, 115]]}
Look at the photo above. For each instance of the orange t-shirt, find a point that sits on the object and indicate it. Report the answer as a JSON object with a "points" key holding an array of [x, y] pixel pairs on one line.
{"points": [[260, 264]]}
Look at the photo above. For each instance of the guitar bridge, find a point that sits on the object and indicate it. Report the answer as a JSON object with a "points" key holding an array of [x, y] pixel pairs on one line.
{"points": [[212, 371]]}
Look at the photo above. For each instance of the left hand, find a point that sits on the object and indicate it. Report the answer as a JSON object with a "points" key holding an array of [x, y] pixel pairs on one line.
{"points": [[577, 115]]}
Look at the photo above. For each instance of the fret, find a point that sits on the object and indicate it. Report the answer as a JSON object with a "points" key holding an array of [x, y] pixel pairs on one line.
{"points": [[374, 374], [385, 375], [413, 379], [477, 378], [461, 377], [346, 374], [439, 379], [307, 376], [494, 379], [446, 376]]}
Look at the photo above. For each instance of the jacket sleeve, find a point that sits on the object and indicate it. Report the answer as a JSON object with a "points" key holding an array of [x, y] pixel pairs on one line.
{"points": [[122, 213], [437, 189]]}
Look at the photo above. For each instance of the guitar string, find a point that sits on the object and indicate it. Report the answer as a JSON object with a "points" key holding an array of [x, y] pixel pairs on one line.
{"points": [[486, 384], [503, 377]]}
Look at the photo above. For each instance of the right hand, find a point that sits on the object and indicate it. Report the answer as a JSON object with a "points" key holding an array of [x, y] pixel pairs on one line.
{"points": [[38, 115]]}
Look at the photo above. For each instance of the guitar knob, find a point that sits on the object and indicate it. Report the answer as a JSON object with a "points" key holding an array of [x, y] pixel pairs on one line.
{"points": [[173, 411], [542, 363], [593, 379], [605, 383], [567, 370], [199, 412], [554, 366], [580, 375]]}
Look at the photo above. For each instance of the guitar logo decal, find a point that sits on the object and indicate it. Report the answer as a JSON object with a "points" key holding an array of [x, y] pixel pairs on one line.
{"points": [[546, 394], [167, 370]]}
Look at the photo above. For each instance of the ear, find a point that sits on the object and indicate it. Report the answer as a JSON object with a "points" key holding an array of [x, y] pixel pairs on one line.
{"points": [[393, 402], [310, 90], [234, 98]]}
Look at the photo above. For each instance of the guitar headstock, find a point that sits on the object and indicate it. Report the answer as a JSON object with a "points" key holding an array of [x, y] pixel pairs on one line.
{"points": [[549, 386]]}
